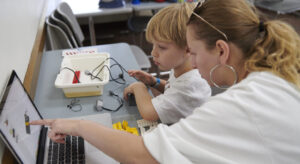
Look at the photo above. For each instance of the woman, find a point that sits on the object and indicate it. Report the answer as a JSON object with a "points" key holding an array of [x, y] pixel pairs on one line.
{"points": [[256, 120]]}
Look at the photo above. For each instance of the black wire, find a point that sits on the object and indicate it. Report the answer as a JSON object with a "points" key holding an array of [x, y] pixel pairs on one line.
{"points": [[105, 66], [99, 66], [112, 79], [74, 102], [122, 68], [121, 76], [119, 99], [120, 65], [94, 77], [72, 71]]}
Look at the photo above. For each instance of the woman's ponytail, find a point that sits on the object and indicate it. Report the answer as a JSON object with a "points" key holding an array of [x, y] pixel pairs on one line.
{"points": [[278, 51]]}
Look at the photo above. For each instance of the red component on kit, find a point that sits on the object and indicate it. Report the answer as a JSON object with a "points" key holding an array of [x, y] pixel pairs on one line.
{"points": [[75, 80]]}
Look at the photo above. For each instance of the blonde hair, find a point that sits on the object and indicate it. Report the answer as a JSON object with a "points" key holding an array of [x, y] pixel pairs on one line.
{"points": [[274, 48], [169, 24]]}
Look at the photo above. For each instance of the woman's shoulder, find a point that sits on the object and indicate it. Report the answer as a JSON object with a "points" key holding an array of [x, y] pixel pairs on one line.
{"points": [[260, 90], [265, 80]]}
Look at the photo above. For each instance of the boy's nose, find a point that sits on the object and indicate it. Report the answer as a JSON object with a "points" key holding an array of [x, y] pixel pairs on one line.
{"points": [[153, 53]]}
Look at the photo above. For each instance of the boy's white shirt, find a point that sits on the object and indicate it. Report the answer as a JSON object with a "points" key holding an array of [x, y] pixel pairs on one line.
{"points": [[181, 96], [256, 121]]}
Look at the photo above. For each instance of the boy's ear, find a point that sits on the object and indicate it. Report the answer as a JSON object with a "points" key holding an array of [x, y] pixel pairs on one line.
{"points": [[223, 51]]}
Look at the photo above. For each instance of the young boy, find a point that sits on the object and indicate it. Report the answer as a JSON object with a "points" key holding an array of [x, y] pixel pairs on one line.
{"points": [[185, 90]]}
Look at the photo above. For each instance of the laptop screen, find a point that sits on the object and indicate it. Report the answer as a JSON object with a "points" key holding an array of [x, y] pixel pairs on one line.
{"points": [[16, 110]]}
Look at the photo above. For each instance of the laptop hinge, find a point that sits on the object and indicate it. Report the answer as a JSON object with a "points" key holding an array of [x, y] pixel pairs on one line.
{"points": [[42, 144]]}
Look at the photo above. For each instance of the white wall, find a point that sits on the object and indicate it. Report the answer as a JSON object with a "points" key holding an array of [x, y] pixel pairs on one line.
{"points": [[19, 20]]}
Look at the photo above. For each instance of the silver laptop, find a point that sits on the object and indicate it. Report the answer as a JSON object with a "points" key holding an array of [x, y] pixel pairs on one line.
{"points": [[30, 144]]}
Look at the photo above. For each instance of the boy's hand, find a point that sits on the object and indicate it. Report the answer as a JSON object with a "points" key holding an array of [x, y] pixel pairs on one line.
{"points": [[142, 76], [131, 88], [59, 128]]}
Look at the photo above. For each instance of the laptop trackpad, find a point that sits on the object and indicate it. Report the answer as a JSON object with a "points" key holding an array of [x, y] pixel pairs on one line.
{"points": [[93, 155]]}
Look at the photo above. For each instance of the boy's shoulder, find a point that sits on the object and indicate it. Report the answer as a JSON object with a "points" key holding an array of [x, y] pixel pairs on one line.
{"points": [[190, 80], [190, 76]]}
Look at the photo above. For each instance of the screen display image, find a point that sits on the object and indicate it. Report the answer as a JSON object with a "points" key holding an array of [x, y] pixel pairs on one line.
{"points": [[16, 111]]}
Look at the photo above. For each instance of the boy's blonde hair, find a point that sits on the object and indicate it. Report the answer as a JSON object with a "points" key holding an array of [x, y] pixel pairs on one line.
{"points": [[169, 24], [267, 45]]}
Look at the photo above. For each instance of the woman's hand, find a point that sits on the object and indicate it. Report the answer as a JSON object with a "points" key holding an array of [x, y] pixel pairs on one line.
{"points": [[142, 76], [59, 128], [131, 88]]}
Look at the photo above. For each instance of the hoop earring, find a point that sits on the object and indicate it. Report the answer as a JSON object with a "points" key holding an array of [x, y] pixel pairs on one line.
{"points": [[228, 66]]}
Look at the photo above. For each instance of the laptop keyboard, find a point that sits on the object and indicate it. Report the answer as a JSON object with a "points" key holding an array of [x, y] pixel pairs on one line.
{"points": [[71, 152]]}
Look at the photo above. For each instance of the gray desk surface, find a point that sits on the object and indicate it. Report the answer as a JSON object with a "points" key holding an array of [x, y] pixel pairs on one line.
{"points": [[96, 11], [52, 103], [150, 6], [90, 8]]}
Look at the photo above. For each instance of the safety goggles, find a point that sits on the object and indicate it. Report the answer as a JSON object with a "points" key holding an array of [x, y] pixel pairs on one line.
{"points": [[212, 26]]}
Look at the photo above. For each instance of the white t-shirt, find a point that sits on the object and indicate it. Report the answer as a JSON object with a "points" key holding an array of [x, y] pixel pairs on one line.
{"points": [[181, 96], [256, 121]]}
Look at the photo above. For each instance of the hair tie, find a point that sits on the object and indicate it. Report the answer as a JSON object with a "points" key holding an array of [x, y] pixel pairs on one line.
{"points": [[261, 26]]}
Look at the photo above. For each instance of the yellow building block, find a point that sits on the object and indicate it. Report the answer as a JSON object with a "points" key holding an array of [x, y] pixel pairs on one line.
{"points": [[117, 126], [124, 124], [124, 127], [132, 131]]}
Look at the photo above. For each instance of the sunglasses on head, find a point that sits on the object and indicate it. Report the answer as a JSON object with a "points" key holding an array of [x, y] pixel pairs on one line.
{"points": [[199, 4]]}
